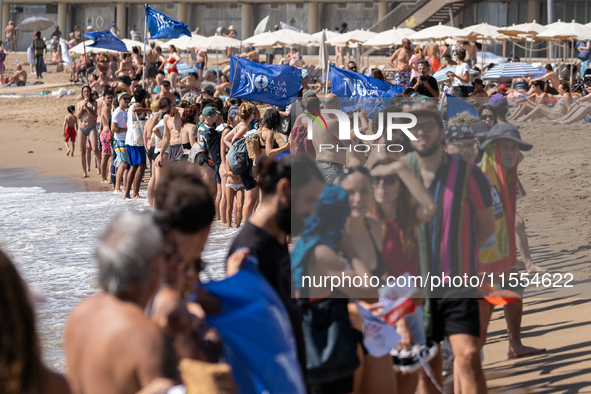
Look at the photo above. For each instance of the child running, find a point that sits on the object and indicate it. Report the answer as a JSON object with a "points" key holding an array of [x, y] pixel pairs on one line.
{"points": [[234, 187], [70, 130]]}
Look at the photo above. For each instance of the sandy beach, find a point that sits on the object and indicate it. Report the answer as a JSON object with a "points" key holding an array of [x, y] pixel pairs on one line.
{"points": [[556, 174]]}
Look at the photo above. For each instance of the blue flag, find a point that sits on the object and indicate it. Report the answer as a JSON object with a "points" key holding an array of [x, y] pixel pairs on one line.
{"points": [[456, 106], [274, 84], [161, 26], [357, 91], [107, 40], [256, 333]]}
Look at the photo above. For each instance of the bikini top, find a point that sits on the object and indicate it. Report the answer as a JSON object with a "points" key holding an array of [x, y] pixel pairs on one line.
{"points": [[171, 60]]}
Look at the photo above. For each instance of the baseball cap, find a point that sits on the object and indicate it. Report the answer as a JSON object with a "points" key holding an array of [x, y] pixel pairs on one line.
{"points": [[114, 24], [458, 132], [480, 129], [507, 131], [503, 87], [208, 111], [498, 100], [427, 109], [123, 94], [233, 111]]}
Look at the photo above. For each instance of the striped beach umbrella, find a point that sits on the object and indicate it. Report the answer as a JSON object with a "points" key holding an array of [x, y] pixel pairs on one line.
{"points": [[512, 70]]}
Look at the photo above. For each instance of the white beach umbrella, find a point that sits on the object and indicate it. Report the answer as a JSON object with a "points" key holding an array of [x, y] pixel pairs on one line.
{"points": [[217, 43], [388, 38], [437, 33], [283, 37], [323, 53], [329, 34], [482, 30], [531, 28], [352, 38], [132, 43], [184, 42], [567, 30], [34, 23], [257, 37], [79, 49]]}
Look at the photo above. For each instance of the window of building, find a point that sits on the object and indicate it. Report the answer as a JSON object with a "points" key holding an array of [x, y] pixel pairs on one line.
{"points": [[28, 8]]}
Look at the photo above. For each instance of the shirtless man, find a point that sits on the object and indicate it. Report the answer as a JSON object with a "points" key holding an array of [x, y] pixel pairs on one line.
{"points": [[550, 77], [105, 134], [172, 149], [252, 55], [200, 61], [86, 112], [19, 77], [403, 68], [471, 51], [166, 92], [110, 345], [94, 83], [432, 51], [11, 36]]}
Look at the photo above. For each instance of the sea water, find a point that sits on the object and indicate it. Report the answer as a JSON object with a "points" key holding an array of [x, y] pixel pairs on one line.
{"points": [[51, 237]]}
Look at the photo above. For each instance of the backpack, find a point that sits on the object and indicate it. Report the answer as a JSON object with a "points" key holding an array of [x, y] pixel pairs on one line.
{"points": [[300, 143], [238, 157]]}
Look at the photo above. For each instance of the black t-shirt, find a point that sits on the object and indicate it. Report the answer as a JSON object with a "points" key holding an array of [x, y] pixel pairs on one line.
{"points": [[422, 89], [275, 265]]}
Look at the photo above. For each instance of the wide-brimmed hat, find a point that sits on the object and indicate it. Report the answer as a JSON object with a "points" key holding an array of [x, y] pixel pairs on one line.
{"points": [[506, 131], [480, 129]]}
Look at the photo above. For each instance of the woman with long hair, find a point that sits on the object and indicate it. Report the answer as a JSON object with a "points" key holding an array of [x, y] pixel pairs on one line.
{"points": [[21, 368], [160, 63], [246, 114], [395, 188], [190, 118], [415, 59], [86, 112], [273, 143], [173, 72], [223, 88], [560, 108], [461, 80]]}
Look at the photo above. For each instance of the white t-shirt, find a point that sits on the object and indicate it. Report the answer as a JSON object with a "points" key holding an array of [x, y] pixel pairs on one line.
{"points": [[461, 71], [120, 117], [130, 117]]}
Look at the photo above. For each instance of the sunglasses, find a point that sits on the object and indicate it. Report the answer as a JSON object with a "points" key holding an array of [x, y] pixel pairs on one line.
{"points": [[126, 99], [353, 68], [485, 117], [388, 180]]}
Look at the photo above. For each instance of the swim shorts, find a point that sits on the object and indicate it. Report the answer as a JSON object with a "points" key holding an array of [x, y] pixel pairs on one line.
{"points": [[452, 316], [403, 78], [137, 154], [199, 65], [121, 151], [70, 134], [106, 143], [125, 80], [175, 152], [151, 71]]}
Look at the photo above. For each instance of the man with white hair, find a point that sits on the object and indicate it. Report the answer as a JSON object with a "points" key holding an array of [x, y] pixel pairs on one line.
{"points": [[110, 345], [11, 35]]}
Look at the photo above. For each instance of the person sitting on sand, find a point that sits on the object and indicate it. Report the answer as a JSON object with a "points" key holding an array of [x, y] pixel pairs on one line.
{"points": [[70, 130], [580, 109], [560, 108], [55, 59], [253, 55], [552, 80], [19, 77], [223, 89], [80, 67], [166, 92], [524, 106], [111, 346], [190, 83]]}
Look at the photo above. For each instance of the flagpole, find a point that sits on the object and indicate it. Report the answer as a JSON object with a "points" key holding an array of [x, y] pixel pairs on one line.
{"points": [[327, 79], [145, 41], [85, 58], [235, 68]]}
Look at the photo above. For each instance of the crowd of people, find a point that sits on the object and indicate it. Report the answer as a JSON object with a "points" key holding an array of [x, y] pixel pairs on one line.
{"points": [[356, 213]]}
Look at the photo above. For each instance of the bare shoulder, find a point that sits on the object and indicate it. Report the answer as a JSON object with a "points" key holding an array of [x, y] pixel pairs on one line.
{"points": [[374, 226]]}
